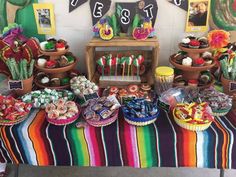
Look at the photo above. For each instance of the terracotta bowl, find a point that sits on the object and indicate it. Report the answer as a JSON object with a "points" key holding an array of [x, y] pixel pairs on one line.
{"points": [[190, 68], [191, 50], [38, 84], [57, 70], [54, 53]]}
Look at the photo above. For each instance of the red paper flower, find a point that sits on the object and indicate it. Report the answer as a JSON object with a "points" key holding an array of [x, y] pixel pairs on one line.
{"points": [[218, 38]]}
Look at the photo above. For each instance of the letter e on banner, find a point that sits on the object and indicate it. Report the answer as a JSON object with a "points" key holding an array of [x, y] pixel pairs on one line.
{"points": [[97, 11]]}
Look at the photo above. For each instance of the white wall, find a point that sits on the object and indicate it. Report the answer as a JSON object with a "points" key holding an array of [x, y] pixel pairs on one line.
{"points": [[76, 27]]}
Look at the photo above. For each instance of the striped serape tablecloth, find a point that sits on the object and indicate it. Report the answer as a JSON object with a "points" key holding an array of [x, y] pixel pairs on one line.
{"points": [[162, 144]]}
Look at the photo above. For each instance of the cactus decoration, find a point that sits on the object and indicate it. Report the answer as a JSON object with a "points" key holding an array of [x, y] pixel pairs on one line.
{"points": [[229, 68], [20, 70]]}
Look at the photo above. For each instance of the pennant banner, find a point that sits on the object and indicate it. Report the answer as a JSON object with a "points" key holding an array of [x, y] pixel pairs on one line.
{"points": [[183, 4], [148, 9], [98, 9], [75, 3], [125, 13]]}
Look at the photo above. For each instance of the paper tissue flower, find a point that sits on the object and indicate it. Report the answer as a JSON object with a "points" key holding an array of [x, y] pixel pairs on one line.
{"points": [[218, 38]]}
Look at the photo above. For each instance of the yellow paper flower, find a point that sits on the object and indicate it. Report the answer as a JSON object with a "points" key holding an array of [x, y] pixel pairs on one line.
{"points": [[218, 38]]}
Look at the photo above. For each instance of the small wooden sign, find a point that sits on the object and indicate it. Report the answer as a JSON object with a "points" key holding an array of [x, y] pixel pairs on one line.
{"points": [[15, 85], [90, 96], [232, 86]]}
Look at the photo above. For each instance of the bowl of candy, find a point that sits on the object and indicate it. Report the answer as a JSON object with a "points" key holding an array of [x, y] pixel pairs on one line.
{"points": [[140, 112], [219, 102], [13, 111], [40, 98], [193, 116], [62, 112], [102, 111]]}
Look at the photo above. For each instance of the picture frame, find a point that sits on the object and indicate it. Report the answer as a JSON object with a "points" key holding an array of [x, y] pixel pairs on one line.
{"points": [[198, 15], [45, 18]]}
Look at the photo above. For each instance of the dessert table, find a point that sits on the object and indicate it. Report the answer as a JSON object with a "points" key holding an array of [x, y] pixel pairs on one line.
{"points": [[162, 144]]}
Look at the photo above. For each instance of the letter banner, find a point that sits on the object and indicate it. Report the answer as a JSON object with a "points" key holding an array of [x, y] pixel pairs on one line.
{"points": [[75, 3], [183, 4], [148, 9], [125, 13], [98, 9]]}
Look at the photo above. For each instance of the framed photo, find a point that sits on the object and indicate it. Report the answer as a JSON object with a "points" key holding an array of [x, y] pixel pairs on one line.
{"points": [[198, 15], [45, 19]]}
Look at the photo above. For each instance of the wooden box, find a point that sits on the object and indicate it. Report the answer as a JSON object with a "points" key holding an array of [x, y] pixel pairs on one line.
{"points": [[149, 49]]}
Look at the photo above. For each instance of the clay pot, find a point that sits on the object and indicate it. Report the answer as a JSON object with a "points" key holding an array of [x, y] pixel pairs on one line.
{"points": [[27, 86], [190, 72], [226, 85]]}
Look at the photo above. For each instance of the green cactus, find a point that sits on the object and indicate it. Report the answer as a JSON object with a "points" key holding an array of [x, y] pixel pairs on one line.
{"points": [[224, 68], [233, 72], [24, 66], [31, 68], [21, 70]]}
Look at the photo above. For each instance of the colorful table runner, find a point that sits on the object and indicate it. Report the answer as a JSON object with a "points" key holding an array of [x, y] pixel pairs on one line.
{"points": [[162, 144]]}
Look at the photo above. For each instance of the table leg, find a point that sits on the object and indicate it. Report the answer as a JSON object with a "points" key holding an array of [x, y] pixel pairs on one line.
{"points": [[222, 172]]}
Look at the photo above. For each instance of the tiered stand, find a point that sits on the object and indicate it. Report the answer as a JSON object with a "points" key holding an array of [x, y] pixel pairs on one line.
{"points": [[191, 72], [130, 46], [60, 73]]}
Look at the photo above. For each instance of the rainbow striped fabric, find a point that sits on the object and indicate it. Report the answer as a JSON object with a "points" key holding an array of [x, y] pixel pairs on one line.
{"points": [[163, 144]]}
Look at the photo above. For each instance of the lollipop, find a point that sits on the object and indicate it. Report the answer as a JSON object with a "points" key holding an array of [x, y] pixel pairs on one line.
{"points": [[137, 64], [129, 61], [116, 61], [109, 63], [101, 62], [122, 62], [141, 59]]}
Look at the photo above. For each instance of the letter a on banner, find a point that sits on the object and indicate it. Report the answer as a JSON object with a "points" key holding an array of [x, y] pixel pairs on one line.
{"points": [[75, 3], [98, 9]]}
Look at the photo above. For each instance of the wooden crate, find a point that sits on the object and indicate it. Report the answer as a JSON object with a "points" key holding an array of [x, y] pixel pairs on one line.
{"points": [[151, 56]]}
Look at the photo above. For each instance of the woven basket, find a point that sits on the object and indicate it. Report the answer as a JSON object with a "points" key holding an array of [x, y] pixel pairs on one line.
{"points": [[141, 121], [192, 127], [66, 121], [14, 122], [222, 112], [104, 122]]}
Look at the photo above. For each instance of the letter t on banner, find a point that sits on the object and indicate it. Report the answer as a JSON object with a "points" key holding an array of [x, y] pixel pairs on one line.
{"points": [[98, 9]]}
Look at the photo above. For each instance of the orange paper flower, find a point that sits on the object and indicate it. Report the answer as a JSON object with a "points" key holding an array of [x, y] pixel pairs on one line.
{"points": [[218, 38]]}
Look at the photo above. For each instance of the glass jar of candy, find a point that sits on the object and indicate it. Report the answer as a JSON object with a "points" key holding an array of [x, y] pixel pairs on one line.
{"points": [[164, 77]]}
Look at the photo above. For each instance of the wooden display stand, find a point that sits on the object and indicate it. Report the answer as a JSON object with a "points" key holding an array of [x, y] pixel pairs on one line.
{"points": [[151, 57]]}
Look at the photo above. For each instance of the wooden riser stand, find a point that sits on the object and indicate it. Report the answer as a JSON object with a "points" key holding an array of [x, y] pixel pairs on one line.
{"points": [[151, 56]]}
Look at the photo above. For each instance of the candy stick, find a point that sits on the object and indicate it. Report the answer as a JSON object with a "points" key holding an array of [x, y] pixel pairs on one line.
{"points": [[136, 64], [109, 63], [117, 61], [122, 62], [129, 61], [101, 62]]}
